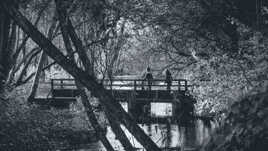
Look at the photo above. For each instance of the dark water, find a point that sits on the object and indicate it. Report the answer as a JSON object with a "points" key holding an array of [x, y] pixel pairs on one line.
{"points": [[164, 135]]}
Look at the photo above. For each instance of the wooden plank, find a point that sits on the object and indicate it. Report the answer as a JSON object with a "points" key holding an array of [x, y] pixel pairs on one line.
{"points": [[65, 92], [121, 79], [61, 103], [132, 81], [154, 100], [157, 120]]}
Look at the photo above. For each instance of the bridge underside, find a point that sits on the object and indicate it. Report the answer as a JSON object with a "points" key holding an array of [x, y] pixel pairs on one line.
{"points": [[125, 95], [138, 102], [138, 96]]}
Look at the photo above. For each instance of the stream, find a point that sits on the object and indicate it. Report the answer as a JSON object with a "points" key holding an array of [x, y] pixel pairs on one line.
{"points": [[170, 137]]}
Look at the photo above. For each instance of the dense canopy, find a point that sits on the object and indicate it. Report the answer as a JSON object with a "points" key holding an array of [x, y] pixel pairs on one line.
{"points": [[220, 47]]}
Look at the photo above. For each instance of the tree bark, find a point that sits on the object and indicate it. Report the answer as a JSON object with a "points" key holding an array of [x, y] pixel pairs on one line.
{"points": [[41, 63], [4, 52], [26, 63], [12, 46], [83, 77], [120, 134], [89, 111], [101, 133], [22, 45], [78, 45]]}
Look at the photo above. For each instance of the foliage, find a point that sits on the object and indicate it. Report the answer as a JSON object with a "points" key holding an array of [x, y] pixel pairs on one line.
{"points": [[245, 127], [25, 127], [219, 46]]}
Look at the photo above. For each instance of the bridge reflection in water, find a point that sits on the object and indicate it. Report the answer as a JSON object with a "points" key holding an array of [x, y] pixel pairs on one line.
{"points": [[169, 137]]}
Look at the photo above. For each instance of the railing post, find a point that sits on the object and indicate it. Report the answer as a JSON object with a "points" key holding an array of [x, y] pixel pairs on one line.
{"points": [[179, 85], [111, 84], [186, 87], [52, 87], [61, 83], [135, 85]]}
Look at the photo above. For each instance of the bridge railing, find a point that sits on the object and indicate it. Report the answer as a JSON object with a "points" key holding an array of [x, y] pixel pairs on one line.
{"points": [[126, 84]]}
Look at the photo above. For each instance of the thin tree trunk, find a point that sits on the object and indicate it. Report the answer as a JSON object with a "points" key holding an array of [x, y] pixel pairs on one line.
{"points": [[11, 48], [89, 111], [79, 46], [26, 65], [41, 63], [101, 133], [4, 52], [83, 77], [120, 134], [114, 125], [36, 77]]}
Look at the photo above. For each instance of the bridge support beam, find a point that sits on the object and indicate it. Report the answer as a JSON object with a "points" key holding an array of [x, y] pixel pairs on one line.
{"points": [[131, 101]]}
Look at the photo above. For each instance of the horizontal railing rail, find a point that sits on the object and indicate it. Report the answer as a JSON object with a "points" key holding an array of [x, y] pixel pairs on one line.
{"points": [[118, 79], [180, 84]]}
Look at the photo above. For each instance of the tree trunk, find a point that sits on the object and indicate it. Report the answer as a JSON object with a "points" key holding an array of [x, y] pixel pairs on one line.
{"points": [[86, 63], [83, 77], [115, 126], [26, 63], [41, 63], [89, 111], [12, 46], [4, 52], [120, 134], [101, 133]]}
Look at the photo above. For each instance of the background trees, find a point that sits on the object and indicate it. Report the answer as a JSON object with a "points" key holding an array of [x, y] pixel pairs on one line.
{"points": [[219, 46], [205, 39]]}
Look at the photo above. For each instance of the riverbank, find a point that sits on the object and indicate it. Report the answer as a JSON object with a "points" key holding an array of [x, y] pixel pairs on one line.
{"points": [[31, 127], [24, 127], [245, 127]]}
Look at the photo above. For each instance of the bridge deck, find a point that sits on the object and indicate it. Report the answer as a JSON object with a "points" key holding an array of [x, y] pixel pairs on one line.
{"points": [[138, 95], [123, 95], [63, 102], [126, 84], [64, 90]]}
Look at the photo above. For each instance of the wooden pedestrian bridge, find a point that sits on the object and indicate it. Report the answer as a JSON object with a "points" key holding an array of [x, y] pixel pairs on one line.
{"points": [[136, 93]]}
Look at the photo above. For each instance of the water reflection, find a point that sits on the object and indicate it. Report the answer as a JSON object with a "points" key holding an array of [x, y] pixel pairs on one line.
{"points": [[185, 136], [165, 136]]}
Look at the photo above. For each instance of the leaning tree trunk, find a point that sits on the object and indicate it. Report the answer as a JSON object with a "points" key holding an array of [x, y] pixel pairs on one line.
{"points": [[112, 120], [114, 125], [41, 63], [89, 110], [84, 78], [101, 133], [22, 46], [12, 46]]}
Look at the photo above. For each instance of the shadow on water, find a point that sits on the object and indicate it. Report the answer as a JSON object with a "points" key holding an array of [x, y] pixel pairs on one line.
{"points": [[170, 137], [185, 134]]}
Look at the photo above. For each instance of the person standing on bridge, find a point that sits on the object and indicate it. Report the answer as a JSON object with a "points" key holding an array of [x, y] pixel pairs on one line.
{"points": [[168, 80], [149, 78]]}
